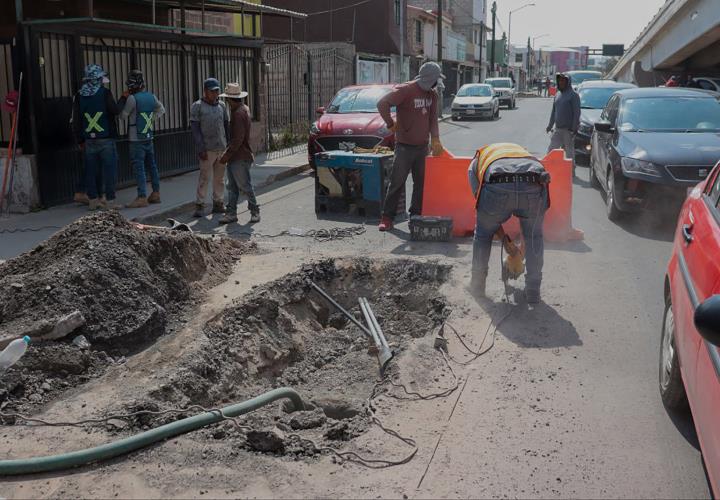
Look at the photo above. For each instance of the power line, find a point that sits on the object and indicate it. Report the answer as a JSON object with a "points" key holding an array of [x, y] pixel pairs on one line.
{"points": [[339, 8]]}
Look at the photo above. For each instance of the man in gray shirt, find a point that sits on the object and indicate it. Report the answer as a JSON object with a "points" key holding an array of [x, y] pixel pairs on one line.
{"points": [[209, 124], [565, 117]]}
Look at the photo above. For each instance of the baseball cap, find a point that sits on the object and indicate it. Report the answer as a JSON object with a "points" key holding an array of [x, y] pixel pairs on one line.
{"points": [[211, 84]]}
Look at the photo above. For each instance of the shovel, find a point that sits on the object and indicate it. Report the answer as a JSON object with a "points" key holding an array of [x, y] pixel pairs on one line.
{"points": [[384, 352]]}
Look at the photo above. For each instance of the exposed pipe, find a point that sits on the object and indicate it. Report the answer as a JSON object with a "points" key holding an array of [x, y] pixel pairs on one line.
{"points": [[124, 446], [341, 309]]}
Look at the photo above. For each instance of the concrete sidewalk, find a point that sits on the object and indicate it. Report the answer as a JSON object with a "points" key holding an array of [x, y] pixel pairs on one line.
{"points": [[21, 232]]}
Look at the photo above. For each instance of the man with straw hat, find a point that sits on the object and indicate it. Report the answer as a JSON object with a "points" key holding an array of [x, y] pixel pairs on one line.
{"points": [[238, 156]]}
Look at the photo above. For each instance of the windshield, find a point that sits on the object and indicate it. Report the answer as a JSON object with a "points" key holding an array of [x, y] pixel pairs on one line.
{"points": [[475, 91], [504, 83], [595, 98], [357, 100], [584, 76], [670, 114]]}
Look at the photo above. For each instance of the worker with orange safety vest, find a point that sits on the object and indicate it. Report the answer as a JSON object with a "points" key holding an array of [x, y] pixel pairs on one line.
{"points": [[507, 180]]}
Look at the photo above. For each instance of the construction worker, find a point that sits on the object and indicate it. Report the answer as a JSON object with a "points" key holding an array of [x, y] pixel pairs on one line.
{"points": [[565, 117], [417, 118], [209, 123], [96, 132], [507, 180], [238, 156], [142, 108]]}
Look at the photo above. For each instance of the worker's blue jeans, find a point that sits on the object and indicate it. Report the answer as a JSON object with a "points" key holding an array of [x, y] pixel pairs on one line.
{"points": [[498, 202], [100, 156], [142, 154], [237, 179]]}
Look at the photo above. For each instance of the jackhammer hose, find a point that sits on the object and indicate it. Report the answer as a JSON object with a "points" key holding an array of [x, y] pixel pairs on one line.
{"points": [[111, 450]]}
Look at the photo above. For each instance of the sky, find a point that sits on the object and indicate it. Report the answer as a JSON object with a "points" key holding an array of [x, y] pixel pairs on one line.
{"points": [[576, 22]]}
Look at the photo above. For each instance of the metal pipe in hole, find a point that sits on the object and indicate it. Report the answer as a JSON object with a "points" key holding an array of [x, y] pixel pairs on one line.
{"points": [[376, 325], [366, 314], [341, 309]]}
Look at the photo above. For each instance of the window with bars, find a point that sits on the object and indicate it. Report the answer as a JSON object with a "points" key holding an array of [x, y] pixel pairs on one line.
{"points": [[397, 12], [418, 31]]}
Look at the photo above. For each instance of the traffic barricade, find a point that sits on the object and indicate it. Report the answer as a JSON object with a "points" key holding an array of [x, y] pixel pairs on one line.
{"points": [[447, 193]]}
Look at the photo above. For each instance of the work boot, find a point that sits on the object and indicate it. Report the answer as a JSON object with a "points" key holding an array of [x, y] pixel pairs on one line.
{"points": [[199, 210], [386, 224], [532, 295], [94, 204], [139, 202], [154, 197], [255, 218], [218, 207], [478, 283], [81, 198], [112, 205], [228, 219]]}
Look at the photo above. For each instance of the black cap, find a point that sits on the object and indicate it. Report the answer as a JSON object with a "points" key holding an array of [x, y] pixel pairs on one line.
{"points": [[211, 84]]}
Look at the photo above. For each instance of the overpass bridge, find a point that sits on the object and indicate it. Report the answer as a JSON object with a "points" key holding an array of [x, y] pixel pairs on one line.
{"points": [[682, 38]]}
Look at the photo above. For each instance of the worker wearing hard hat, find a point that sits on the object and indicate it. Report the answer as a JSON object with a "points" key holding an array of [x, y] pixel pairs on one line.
{"points": [[507, 180], [416, 121]]}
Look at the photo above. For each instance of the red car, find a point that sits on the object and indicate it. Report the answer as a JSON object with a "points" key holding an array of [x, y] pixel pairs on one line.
{"points": [[350, 120], [689, 356]]}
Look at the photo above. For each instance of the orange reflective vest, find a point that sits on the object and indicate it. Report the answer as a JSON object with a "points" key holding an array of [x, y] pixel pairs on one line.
{"points": [[488, 154]]}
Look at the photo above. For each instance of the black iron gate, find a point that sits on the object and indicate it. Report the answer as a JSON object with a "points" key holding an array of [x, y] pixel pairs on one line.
{"points": [[174, 71], [299, 80]]}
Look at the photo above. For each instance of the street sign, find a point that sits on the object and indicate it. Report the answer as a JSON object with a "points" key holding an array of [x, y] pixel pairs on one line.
{"points": [[613, 50]]}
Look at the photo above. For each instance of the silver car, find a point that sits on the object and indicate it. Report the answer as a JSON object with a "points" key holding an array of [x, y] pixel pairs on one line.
{"points": [[475, 100], [505, 90]]}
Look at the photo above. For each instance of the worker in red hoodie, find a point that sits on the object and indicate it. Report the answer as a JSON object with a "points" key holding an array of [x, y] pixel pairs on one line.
{"points": [[417, 119]]}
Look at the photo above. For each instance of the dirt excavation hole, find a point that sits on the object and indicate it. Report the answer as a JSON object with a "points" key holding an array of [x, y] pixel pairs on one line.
{"points": [[284, 334]]}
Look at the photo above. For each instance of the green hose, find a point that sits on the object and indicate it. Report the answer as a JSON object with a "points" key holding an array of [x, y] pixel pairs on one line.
{"points": [[111, 450]]}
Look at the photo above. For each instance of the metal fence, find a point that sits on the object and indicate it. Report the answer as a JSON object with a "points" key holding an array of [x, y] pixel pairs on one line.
{"points": [[174, 72], [299, 79]]}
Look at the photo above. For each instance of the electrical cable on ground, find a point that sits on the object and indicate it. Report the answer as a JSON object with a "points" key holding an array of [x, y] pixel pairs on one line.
{"points": [[27, 229], [320, 235]]}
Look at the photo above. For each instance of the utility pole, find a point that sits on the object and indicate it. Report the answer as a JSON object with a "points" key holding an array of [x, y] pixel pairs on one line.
{"points": [[492, 48], [440, 31], [402, 41], [482, 49], [529, 76]]}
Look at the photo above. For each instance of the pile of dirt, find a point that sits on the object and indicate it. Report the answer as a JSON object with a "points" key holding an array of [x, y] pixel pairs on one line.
{"points": [[118, 284], [284, 334]]}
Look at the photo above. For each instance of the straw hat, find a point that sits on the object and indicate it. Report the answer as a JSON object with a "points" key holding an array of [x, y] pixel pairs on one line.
{"points": [[232, 91]]}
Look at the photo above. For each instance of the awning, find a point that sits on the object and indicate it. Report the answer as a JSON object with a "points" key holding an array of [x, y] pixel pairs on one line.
{"points": [[227, 6]]}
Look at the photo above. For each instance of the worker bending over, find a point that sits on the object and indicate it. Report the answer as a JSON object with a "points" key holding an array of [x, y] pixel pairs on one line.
{"points": [[507, 180], [416, 119]]}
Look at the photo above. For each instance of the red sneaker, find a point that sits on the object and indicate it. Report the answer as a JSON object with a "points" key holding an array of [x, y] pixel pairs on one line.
{"points": [[386, 224]]}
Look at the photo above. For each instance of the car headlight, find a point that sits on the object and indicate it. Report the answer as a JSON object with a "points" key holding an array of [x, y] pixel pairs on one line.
{"points": [[384, 131], [631, 165], [585, 128], [314, 129]]}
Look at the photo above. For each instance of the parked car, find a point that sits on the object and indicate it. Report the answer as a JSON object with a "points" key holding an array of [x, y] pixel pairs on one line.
{"points": [[652, 144], [475, 100], [351, 119], [708, 83], [594, 95], [505, 89], [579, 77], [689, 354]]}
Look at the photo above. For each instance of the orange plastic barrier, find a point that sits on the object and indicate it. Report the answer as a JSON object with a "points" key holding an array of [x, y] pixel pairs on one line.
{"points": [[552, 91], [447, 193]]}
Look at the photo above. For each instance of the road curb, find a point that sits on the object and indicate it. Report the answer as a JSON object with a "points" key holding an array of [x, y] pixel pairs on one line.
{"points": [[189, 205]]}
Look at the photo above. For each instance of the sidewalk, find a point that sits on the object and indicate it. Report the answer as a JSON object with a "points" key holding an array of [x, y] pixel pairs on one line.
{"points": [[21, 232]]}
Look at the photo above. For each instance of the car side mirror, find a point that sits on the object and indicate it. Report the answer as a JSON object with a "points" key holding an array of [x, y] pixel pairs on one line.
{"points": [[707, 320], [320, 110], [604, 126]]}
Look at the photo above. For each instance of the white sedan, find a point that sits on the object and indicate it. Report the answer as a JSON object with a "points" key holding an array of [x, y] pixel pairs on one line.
{"points": [[475, 100]]}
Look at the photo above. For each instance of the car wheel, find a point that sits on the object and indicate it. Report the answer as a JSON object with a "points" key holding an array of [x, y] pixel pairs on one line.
{"points": [[672, 389], [613, 212], [454, 118]]}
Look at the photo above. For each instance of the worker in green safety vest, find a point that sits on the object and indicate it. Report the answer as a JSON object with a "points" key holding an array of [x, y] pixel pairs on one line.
{"points": [[141, 108], [94, 121]]}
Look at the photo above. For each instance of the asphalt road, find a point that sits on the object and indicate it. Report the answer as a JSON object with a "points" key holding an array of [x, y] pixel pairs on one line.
{"points": [[567, 404]]}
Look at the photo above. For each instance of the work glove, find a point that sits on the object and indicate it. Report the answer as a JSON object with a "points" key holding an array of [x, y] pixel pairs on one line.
{"points": [[203, 155], [436, 146]]}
